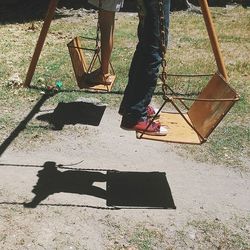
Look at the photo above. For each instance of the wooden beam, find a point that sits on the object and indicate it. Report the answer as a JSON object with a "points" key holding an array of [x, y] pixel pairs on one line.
{"points": [[213, 38], [40, 42]]}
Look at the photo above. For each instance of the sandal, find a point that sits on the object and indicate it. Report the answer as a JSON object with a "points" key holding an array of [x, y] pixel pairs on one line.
{"points": [[97, 77], [142, 126]]}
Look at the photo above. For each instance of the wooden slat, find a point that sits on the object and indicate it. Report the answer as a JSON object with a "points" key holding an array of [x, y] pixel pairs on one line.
{"points": [[78, 60], [206, 115]]}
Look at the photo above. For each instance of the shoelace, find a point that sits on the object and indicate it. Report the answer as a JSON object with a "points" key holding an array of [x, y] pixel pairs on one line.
{"points": [[150, 110]]}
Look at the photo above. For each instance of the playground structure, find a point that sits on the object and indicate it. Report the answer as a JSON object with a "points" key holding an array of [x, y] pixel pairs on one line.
{"points": [[192, 126]]}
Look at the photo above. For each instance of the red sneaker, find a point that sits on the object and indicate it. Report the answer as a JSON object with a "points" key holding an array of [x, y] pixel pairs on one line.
{"points": [[142, 126]]}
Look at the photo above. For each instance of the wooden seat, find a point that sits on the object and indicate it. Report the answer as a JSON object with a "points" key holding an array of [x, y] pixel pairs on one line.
{"points": [[206, 112], [82, 67]]}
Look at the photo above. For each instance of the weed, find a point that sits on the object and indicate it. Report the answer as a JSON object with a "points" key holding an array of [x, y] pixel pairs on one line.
{"points": [[228, 146], [3, 237], [215, 234], [145, 239]]}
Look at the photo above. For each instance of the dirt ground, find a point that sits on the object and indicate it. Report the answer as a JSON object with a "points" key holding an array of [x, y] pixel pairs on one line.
{"points": [[212, 202]]}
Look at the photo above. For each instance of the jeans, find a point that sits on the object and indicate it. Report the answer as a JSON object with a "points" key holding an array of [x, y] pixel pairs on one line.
{"points": [[144, 68]]}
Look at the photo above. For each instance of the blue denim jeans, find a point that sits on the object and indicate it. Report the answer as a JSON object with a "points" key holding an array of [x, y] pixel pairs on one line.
{"points": [[144, 68]]}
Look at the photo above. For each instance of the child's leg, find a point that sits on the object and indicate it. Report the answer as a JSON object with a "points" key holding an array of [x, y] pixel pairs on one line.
{"points": [[106, 20]]}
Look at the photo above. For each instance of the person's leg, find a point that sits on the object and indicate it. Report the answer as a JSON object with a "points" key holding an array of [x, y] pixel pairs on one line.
{"points": [[145, 64], [102, 75], [106, 20]]}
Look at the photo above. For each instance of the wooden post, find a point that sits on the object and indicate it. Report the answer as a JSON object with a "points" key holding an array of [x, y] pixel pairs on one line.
{"points": [[40, 42], [213, 38]]}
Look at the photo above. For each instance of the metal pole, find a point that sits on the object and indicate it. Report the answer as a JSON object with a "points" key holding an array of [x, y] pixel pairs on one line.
{"points": [[213, 38], [40, 42]]}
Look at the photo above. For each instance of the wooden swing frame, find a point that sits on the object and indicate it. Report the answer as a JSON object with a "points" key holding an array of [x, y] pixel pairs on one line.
{"points": [[207, 110]]}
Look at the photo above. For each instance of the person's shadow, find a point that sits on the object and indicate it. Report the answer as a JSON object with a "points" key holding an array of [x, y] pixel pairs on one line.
{"points": [[52, 181], [123, 189]]}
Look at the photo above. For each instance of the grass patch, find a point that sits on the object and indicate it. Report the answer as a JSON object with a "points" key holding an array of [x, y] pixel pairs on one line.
{"points": [[228, 146], [214, 234], [145, 239], [242, 107], [5, 120]]}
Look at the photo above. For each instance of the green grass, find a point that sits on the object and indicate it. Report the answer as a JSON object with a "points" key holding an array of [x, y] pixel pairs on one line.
{"points": [[145, 239], [206, 233], [189, 53], [213, 234], [5, 121], [227, 146], [230, 139]]}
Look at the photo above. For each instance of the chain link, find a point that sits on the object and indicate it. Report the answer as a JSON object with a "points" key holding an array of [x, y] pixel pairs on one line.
{"points": [[163, 74], [98, 30]]}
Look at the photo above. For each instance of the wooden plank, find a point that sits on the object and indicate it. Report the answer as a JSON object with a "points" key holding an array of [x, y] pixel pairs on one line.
{"points": [[206, 115], [78, 60]]}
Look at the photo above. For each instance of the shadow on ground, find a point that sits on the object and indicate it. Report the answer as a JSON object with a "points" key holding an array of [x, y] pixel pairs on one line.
{"points": [[22, 125], [74, 113], [123, 189], [64, 114]]}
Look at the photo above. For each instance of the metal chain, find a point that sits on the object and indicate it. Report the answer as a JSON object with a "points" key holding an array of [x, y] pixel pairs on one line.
{"points": [[163, 75], [98, 30]]}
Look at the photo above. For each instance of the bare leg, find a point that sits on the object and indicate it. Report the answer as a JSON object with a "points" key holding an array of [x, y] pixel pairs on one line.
{"points": [[101, 75], [106, 20]]}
